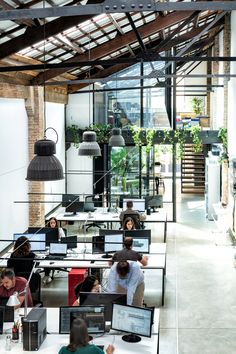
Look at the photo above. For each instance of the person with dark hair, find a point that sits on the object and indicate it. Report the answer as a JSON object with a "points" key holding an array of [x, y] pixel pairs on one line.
{"points": [[90, 284], [127, 277], [21, 259], [129, 211], [79, 341], [11, 284], [127, 254], [53, 223], [128, 224]]}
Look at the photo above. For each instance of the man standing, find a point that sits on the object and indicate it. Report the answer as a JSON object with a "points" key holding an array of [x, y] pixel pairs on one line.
{"points": [[127, 277], [11, 284]]}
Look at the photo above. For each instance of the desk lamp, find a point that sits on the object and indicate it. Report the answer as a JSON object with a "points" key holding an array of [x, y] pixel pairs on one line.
{"points": [[13, 299]]}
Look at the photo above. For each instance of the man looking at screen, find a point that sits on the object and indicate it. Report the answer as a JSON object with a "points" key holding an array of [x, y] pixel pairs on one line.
{"points": [[127, 254], [11, 284], [127, 277]]}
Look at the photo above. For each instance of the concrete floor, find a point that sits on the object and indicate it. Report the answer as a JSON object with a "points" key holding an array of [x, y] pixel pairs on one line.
{"points": [[199, 316]]}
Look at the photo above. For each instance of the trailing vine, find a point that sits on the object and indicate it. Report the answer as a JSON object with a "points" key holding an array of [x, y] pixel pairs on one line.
{"points": [[223, 136], [180, 137], [197, 142], [75, 133], [149, 139], [102, 131], [136, 135]]}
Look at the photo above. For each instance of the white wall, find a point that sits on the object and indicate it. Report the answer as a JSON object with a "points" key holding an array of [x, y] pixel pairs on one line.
{"points": [[79, 111], [55, 113], [14, 163]]}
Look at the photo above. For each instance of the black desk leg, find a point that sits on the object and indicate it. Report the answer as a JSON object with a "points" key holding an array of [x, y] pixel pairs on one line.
{"points": [[165, 230], [163, 288]]}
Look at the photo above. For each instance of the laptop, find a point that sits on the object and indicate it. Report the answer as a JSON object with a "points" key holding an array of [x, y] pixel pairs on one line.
{"points": [[57, 251]]}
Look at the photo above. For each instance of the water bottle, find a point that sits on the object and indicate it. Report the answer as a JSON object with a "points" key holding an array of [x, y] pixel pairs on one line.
{"points": [[8, 343]]}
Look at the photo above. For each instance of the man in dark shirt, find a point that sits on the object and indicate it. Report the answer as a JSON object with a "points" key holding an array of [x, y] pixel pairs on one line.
{"points": [[127, 254], [11, 284]]}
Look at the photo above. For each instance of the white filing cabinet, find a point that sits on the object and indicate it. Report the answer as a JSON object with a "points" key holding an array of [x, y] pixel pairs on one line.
{"points": [[212, 185]]}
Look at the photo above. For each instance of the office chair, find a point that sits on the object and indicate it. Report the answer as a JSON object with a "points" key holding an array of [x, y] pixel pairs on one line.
{"points": [[35, 287], [90, 207]]}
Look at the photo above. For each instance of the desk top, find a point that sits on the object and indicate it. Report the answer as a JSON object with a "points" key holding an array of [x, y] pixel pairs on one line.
{"points": [[55, 341], [101, 215]]}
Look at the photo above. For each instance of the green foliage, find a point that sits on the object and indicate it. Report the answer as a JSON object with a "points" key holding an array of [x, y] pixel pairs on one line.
{"points": [[139, 135], [75, 133], [103, 132], [150, 133], [180, 136], [136, 134], [197, 142], [198, 105], [223, 136]]}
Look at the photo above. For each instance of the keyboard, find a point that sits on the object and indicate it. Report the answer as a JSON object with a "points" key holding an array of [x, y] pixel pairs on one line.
{"points": [[52, 257]]}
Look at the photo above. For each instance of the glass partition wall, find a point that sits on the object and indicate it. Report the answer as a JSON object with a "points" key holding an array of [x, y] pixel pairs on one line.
{"points": [[131, 171]]}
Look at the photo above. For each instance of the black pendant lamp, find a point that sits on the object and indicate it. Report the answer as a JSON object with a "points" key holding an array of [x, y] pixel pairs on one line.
{"points": [[45, 166], [89, 146], [116, 138]]}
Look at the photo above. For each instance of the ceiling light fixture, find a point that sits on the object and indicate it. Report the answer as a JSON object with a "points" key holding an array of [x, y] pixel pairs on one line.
{"points": [[116, 138]]}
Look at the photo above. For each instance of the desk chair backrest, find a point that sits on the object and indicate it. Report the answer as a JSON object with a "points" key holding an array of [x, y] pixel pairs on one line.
{"points": [[89, 204]]}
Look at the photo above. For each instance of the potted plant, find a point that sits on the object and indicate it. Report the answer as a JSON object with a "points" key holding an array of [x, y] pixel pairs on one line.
{"points": [[73, 135]]}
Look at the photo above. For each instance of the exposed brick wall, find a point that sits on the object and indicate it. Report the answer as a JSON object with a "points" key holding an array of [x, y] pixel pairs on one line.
{"points": [[35, 109]]}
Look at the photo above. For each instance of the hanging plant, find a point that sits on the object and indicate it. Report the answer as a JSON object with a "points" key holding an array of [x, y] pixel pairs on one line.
{"points": [[149, 139], [197, 142], [198, 105], [223, 136], [136, 135], [73, 133], [180, 137], [103, 132]]}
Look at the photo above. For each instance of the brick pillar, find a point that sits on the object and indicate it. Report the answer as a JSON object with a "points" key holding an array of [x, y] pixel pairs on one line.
{"points": [[34, 105]]}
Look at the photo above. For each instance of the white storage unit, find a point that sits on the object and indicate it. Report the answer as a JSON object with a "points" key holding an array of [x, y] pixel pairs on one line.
{"points": [[212, 185]]}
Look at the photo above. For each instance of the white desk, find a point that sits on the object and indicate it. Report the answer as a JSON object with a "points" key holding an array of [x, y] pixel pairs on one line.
{"points": [[100, 215], [54, 341]]}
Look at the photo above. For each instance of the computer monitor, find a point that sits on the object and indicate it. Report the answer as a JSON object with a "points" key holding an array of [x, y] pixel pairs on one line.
{"points": [[72, 204], [92, 315], [134, 320], [105, 299], [37, 241], [58, 249], [141, 245], [113, 243], [71, 241], [52, 234], [144, 233], [155, 201], [103, 232], [98, 244], [138, 204]]}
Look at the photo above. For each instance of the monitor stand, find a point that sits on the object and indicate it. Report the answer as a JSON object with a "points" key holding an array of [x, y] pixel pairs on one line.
{"points": [[131, 338], [107, 255]]}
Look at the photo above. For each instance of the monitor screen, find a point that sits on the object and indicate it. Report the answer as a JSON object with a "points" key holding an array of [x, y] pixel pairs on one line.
{"points": [[58, 248], [103, 232], [141, 244], [113, 243], [105, 299], [144, 233], [134, 320], [71, 241], [51, 233], [98, 244], [72, 204], [138, 204], [92, 315], [37, 241]]}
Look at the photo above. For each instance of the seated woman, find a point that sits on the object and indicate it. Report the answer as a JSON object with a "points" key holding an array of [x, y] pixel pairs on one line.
{"points": [[128, 224], [53, 223], [21, 259], [79, 341], [90, 284]]}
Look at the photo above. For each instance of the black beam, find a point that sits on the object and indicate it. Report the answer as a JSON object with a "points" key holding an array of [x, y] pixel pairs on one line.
{"points": [[116, 6], [112, 62]]}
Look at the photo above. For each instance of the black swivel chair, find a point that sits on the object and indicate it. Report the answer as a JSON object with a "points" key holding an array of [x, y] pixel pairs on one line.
{"points": [[90, 207], [34, 285]]}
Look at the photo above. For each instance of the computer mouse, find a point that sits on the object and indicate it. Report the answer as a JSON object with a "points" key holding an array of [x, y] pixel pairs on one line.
{"points": [[51, 262]]}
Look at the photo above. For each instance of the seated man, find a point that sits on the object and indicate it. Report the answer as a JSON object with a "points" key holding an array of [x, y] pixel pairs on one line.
{"points": [[127, 277], [128, 212], [11, 284], [127, 254]]}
